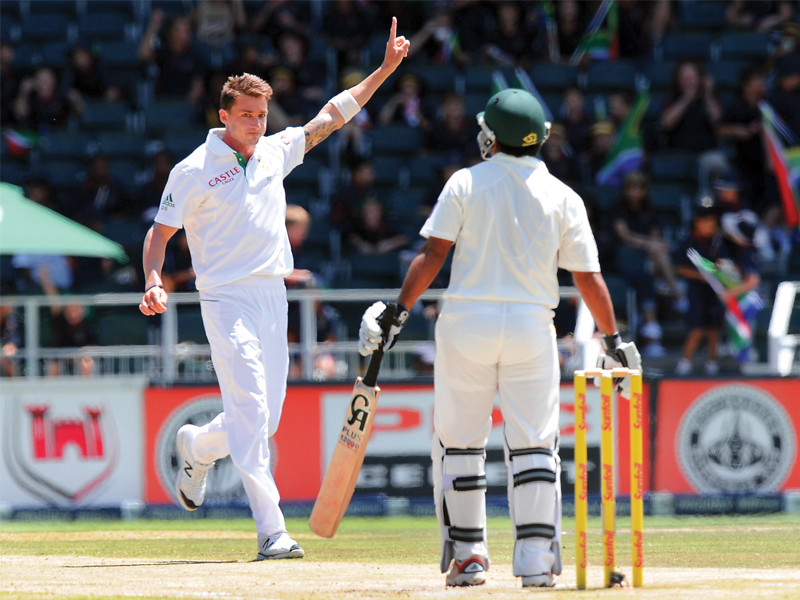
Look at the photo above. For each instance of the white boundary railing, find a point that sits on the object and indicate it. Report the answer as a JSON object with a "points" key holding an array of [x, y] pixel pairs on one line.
{"points": [[782, 346], [162, 358]]}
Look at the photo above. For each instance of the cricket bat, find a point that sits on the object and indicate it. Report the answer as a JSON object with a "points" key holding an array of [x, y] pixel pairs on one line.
{"points": [[348, 456]]}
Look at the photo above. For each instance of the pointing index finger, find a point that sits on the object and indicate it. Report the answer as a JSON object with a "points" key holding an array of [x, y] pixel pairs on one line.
{"points": [[393, 32]]}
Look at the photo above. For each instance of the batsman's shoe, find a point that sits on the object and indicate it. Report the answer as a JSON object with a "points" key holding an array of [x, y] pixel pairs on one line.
{"points": [[190, 486], [471, 571], [278, 546], [546, 580]]}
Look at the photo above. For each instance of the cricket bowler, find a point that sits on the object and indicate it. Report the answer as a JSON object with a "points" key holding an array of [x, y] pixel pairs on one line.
{"points": [[513, 225], [229, 196]]}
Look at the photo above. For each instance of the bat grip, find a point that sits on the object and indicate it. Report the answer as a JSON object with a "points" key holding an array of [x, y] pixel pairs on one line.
{"points": [[371, 376]]}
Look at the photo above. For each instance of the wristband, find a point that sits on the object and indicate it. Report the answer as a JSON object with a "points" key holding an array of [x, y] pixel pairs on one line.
{"points": [[152, 286], [610, 342], [346, 105]]}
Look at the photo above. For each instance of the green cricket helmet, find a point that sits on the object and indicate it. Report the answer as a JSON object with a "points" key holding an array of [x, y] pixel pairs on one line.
{"points": [[514, 118]]}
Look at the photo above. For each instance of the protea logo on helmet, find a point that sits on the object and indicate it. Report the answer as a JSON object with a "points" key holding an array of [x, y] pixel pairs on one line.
{"points": [[530, 139]]}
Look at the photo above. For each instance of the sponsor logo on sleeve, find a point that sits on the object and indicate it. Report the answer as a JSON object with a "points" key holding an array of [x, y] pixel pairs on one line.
{"points": [[285, 139], [167, 203]]}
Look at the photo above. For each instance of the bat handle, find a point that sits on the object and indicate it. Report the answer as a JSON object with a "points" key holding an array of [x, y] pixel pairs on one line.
{"points": [[371, 376]]}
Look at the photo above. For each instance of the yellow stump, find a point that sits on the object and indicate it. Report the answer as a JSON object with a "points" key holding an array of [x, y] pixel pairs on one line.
{"points": [[607, 474], [637, 481], [581, 480]]}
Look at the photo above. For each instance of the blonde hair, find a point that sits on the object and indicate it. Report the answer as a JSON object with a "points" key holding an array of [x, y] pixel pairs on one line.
{"points": [[297, 215], [243, 85]]}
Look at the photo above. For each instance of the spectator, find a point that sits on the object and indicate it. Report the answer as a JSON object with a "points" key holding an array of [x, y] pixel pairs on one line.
{"points": [[209, 105], [10, 342], [9, 84], [180, 69], [178, 274], [277, 17], [558, 156], [150, 196], [570, 28], [728, 198], [602, 134], [346, 27], [740, 231], [372, 234], [758, 15], [640, 23], [298, 223], [39, 190], [636, 227], [89, 79], [310, 76], [100, 196], [517, 40], [452, 133], [439, 40], [39, 105], [346, 205], [28, 267], [785, 99], [352, 142], [706, 314], [70, 330], [690, 117], [252, 61], [741, 125], [217, 21], [471, 21], [298, 109], [445, 171], [619, 106], [406, 105], [576, 122]]}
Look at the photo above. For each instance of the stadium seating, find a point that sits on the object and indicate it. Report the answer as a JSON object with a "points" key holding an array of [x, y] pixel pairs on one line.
{"points": [[726, 74], [121, 327], [27, 57], [55, 55], [607, 76], [107, 116], [119, 54], [422, 171], [49, 27], [64, 173], [435, 78], [702, 15], [673, 166], [547, 76], [396, 139], [190, 325], [182, 143], [739, 45], [56, 146], [103, 26], [121, 145], [659, 74], [168, 114], [679, 46], [376, 271], [387, 170]]}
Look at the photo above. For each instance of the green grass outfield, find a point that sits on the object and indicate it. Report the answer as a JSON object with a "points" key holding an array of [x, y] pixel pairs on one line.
{"points": [[692, 557]]}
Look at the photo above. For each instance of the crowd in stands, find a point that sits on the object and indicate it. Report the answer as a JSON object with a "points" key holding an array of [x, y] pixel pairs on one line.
{"points": [[100, 99]]}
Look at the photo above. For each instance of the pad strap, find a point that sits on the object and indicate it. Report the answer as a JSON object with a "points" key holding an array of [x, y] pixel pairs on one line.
{"points": [[528, 451], [347, 106], [467, 534], [464, 451], [532, 475], [469, 483], [542, 530]]}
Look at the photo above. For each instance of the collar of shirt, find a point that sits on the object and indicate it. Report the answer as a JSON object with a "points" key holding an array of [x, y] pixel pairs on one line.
{"points": [[530, 162], [220, 148]]}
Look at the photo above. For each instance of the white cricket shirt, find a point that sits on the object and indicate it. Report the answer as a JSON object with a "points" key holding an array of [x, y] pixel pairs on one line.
{"points": [[513, 225], [234, 213]]}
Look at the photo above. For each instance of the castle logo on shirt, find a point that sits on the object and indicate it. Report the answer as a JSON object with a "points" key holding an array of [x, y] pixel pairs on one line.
{"points": [[224, 178], [167, 203]]}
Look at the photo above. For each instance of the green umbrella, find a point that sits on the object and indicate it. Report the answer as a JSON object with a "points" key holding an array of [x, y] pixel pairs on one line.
{"points": [[30, 228]]}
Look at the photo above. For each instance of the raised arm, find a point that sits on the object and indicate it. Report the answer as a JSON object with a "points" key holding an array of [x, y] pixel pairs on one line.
{"points": [[344, 107]]}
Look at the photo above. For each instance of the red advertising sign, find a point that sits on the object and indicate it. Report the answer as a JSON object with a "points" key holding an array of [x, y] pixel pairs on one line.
{"points": [[727, 436]]}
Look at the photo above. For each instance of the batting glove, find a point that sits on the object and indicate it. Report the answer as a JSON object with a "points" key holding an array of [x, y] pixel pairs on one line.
{"points": [[619, 354], [376, 330]]}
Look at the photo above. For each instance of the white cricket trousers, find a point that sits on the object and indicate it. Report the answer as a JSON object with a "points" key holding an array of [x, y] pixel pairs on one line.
{"points": [[486, 347], [246, 325]]}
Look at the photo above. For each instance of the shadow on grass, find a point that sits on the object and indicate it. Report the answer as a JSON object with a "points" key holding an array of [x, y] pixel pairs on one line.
{"points": [[166, 563]]}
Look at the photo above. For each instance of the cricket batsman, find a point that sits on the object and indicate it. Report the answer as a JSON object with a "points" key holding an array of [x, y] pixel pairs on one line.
{"points": [[513, 225], [229, 196]]}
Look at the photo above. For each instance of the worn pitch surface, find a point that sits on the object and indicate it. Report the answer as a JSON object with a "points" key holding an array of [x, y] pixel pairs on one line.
{"points": [[732, 557]]}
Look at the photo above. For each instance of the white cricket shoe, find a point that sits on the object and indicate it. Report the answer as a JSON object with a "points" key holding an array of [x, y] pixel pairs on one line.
{"points": [[546, 580], [471, 571], [190, 485], [278, 546]]}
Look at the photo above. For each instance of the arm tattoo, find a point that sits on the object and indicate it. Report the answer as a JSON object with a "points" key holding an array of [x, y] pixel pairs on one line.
{"points": [[318, 129]]}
